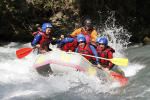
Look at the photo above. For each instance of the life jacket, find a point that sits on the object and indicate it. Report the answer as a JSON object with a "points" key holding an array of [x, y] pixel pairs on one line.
{"points": [[104, 54], [70, 46], [45, 40], [35, 33], [86, 50], [86, 34]]}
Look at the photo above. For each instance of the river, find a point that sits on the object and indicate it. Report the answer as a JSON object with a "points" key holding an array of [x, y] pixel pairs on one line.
{"points": [[20, 81]]}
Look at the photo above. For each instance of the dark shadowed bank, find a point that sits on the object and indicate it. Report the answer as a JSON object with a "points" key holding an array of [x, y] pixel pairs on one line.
{"points": [[19, 18]]}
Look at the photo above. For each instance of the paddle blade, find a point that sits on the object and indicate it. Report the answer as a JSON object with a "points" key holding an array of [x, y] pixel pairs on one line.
{"points": [[119, 61], [23, 52]]}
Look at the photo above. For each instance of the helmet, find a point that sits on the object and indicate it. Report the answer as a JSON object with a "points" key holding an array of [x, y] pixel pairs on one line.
{"points": [[46, 25], [97, 39], [88, 22], [103, 40], [81, 39], [86, 37], [80, 35]]}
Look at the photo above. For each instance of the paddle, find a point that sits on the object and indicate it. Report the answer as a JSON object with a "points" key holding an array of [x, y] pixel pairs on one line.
{"points": [[116, 61], [23, 52]]}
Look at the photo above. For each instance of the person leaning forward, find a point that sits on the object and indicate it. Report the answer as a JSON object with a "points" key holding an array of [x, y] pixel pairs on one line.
{"points": [[42, 39], [106, 51], [87, 49], [69, 44]]}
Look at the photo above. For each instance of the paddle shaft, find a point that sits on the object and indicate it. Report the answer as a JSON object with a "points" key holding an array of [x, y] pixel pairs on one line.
{"points": [[93, 56], [116, 61]]}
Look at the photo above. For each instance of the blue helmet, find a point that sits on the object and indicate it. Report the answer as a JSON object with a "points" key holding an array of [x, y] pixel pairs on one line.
{"points": [[80, 35], [97, 39], [46, 25], [81, 39], [103, 40]]}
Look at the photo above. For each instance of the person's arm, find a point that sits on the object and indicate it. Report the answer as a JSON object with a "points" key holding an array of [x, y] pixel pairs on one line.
{"points": [[54, 41], [94, 53], [76, 50], [94, 35], [36, 39], [64, 41], [76, 32]]}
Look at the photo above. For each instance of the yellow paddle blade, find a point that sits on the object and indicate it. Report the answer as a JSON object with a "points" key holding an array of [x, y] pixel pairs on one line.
{"points": [[119, 61]]}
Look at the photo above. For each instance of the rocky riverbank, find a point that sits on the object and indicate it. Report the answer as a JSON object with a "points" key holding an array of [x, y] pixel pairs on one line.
{"points": [[19, 18]]}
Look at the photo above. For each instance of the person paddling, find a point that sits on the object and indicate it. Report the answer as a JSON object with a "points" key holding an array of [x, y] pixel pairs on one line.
{"points": [[43, 39], [88, 49], [106, 51], [69, 44]]}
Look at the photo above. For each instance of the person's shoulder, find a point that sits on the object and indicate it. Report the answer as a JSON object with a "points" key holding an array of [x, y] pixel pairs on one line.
{"points": [[38, 35], [110, 49], [94, 30], [75, 32]]}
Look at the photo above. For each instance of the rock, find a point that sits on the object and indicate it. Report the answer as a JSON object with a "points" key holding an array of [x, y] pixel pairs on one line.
{"points": [[56, 18], [58, 23], [147, 40], [59, 15]]}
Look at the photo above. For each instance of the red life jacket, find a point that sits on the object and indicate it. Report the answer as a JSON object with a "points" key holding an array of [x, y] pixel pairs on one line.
{"points": [[70, 46], [86, 34], [104, 54], [45, 40], [35, 33], [86, 50]]}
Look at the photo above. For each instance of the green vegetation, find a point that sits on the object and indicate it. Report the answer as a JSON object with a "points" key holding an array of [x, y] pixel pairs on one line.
{"points": [[19, 18]]}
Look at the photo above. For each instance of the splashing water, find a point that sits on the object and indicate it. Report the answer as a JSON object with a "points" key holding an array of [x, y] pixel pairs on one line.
{"points": [[21, 81], [118, 38]]}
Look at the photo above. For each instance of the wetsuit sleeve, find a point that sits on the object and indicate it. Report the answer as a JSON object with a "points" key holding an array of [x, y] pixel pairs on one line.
{"points": [[95, 53], [76, 32], [64, 41], [110, 56], [36, 39], [76, 50]]}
